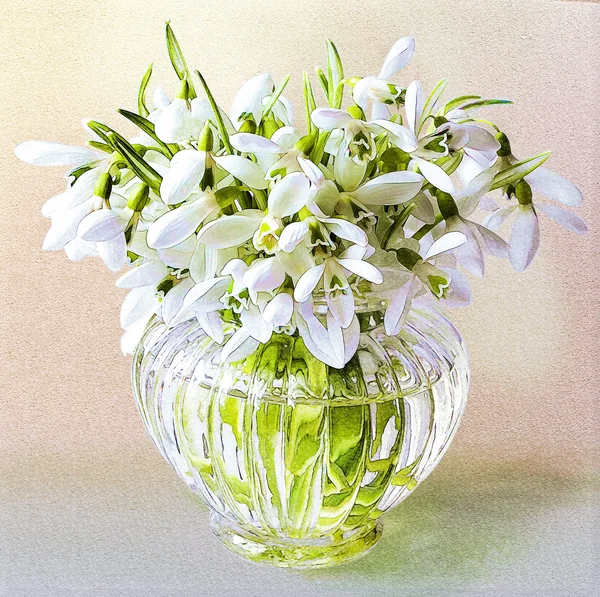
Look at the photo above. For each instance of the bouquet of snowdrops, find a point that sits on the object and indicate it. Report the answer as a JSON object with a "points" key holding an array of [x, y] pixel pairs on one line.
{"points": [[256, 228]]}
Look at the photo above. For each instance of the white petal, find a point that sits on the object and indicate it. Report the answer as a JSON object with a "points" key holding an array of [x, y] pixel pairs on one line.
{"points": [[390, 189], [498, 217], [346, 230], [183, 177], [246, 170], [82, 189], [469, 199], [297, 262], [436, 176], [312, 171], [264, 275], [289, 195], [328, 119], [413, 104], [360, 93], [401, 136], [398, 57], [43, 153], [446, 242], [308, 282], [563, 217], [100, 225], [336, 338], [113, 252], [398, 308], [204, 296], [160, 99], [151, 272], [240, 346], [140, 303], [64, 227], [292, 235], [173, 300], [469, 254], [248, 99], [231, 231], [347, 172], [133, 334], [363, 269], [351, 339], [480, 139], [212, 324], [179, 256], [77, 249], [256, 326], [316, 336], [174, 123], [492, 243], [524, 238], [286, 137], [341, 305], [279, 310], [554, 187], [178, 224], [459, 292], [250, 143]]}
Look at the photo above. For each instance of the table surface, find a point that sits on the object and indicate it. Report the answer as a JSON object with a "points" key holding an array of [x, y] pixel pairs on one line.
{"points": [[125, 525]]}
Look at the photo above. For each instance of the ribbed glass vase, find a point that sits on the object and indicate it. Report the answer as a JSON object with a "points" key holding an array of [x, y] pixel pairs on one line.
{"points": [[297, 460]]}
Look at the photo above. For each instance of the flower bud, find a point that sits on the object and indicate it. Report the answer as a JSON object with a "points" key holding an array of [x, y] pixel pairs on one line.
{"points": [[205, 141], [523, 192], [352, 81], [408, 258], [138, 199], [505, 149], [248, 126], [103, 186], [267, 127], [184, 89], [446, 204], [356, 112], [306, 144]]}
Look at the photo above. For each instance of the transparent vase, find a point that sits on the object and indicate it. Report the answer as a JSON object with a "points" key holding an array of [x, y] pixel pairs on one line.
{"points": [[297, 460]]}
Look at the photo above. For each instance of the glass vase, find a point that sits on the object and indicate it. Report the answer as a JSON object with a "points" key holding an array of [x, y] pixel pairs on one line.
{"points": [[297, 460]]}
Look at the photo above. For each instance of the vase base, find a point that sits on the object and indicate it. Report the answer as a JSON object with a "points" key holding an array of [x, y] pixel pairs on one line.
{"points": [[295, 553]]}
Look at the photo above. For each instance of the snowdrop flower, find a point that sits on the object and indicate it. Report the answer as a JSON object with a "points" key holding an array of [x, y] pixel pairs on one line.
{"points": [[378, 89], [525, 234], [421, 274], [338, 293]]}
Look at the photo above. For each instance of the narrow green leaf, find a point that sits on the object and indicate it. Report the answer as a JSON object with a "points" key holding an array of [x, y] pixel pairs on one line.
{"points": [[335, 75], [142, 108], [219, 119], [178, 60], [450, 163], [141, 168], [276, 94], [518, 171], [309, 102], [323, 81], [148, 127], [432, 100], [101, 146], [485, 102], [459, 101]]}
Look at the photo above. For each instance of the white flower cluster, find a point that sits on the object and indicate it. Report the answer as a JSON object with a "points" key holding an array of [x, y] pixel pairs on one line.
{"points": [[255, 228]]}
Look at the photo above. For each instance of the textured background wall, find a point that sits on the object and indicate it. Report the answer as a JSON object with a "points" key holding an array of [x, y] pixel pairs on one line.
{"points": [[67, 411]]}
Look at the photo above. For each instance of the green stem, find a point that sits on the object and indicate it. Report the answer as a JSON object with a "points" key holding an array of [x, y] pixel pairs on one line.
{"points": [[218, 117], [421, 232]]}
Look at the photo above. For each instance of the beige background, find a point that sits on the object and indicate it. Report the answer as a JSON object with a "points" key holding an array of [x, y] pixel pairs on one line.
{"points": [[90, 508]]}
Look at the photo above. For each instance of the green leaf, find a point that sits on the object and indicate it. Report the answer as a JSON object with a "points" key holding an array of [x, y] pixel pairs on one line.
{"points": [[485, 102], [276, 94], [178, 60], [142, 169], [220, 123], [309, 102], [459, 101], [142, 108], [432, 100], [323, 81], [518, 171], [450, 163], [148, 127], [226, 196], [335, 75]]}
